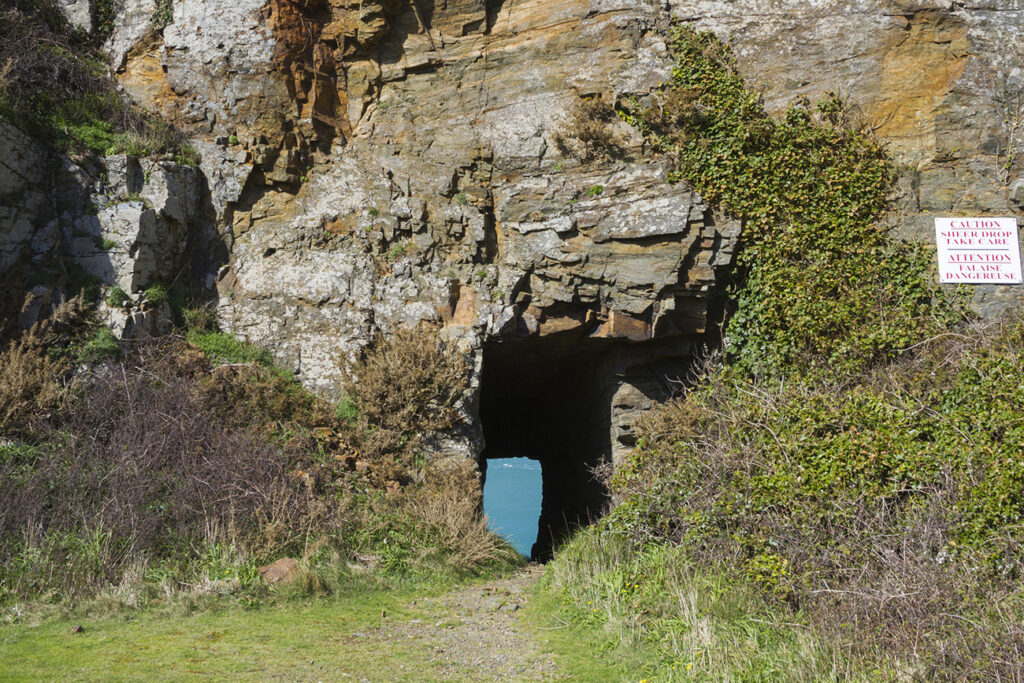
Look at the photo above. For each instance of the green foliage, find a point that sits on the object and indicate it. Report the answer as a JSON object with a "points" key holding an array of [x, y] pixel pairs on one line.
{"points": [[85, 284], [902, 487], [396, 252], [108, 244], [103, 346], [373, 212], [163, 14], [822, 286], [56, 86], [225, 348], [105, 16], [155, 295], [594, 191], [117, 297], [187, 155], [347, 411], [461, 198]]}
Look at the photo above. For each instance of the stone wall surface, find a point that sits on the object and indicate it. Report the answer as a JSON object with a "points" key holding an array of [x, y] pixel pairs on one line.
{"points": [[120, 221]]}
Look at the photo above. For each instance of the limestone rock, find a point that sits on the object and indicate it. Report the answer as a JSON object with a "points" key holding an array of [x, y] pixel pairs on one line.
{"points": [[23, 195], [78, 13]]}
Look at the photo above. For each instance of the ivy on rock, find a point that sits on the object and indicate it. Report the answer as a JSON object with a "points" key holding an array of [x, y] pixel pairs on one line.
{"points": [[821, 285]]}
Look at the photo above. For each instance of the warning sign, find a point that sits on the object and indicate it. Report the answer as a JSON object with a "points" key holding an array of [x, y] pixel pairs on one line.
{"points": [[978, 250]]}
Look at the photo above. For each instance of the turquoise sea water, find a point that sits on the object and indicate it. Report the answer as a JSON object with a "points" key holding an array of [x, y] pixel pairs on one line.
{"points": [[512, 495]]}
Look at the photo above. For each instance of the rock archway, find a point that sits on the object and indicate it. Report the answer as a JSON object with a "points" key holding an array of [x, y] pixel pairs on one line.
{"points": [[569, 402]]}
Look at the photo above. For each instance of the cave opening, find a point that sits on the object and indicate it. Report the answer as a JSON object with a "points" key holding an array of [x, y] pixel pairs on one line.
{"points": [[569, 401], [547, 399]]}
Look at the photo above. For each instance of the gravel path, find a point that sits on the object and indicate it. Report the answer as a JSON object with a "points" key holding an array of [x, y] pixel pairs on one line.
{"points": [[474, 633]]}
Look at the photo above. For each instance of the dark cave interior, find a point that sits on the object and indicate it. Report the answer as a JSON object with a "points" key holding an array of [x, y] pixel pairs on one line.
{"points": [[550, 399]]}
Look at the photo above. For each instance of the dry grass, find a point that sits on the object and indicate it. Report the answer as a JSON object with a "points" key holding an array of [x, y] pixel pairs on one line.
{"points": [[33, 380], [450, 502], [587, 134]]}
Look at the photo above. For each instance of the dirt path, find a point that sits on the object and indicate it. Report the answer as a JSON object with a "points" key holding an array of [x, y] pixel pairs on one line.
{"points": [[474, 633]]}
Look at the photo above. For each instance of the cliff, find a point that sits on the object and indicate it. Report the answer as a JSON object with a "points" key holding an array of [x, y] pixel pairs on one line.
{"points": [[368, 165]]}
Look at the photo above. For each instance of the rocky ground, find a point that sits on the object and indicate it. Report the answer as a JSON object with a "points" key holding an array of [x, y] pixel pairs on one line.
{"points": [[474, 633]]}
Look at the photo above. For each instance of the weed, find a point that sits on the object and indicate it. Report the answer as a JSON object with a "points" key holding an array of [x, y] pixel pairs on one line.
{"points": [[118, 298], [155, 295], [347, 411], [373, 212], [102, 347], [461, 198], [225, 348], [108, 244], [200, 319], [594, 191], [396, 252], [588, 135]]}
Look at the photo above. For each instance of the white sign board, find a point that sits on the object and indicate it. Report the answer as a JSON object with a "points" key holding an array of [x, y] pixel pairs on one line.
{"points": [[978, 250]]}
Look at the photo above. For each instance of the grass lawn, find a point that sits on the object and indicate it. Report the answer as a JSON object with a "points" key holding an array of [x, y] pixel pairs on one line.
{"points": [[329, 639]]}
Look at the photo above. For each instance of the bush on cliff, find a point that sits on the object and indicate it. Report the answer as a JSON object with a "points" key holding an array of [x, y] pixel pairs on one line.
{"points": [[54, 84]]}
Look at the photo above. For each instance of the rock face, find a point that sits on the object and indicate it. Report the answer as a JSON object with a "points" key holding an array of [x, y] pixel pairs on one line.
{"points": [[122, 223], [373, 164]]}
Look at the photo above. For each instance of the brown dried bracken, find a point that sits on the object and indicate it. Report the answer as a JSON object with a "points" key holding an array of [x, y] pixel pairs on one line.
{"points": [[588, 133]]}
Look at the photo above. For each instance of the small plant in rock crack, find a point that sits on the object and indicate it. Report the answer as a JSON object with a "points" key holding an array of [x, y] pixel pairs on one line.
{"points": [[588, 134], [396, 252], [118, 298]]}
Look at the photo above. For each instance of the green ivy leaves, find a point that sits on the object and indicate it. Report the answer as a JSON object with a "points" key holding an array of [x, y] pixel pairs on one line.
{"points": [[821, 285]]}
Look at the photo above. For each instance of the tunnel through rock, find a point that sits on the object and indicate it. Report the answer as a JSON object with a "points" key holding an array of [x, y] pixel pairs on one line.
{"points": [[569, 402]]}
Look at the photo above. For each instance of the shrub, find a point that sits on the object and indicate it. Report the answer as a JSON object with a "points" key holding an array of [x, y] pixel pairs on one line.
{"points": [[878, 507], [30, 385], [155, 295], [148, 472], [103, 346], [163, 14], [169, 470], [588, 133], [118, 298], [409, 382], [55, 85], [200, 319], [405, 387], [34, 369]]}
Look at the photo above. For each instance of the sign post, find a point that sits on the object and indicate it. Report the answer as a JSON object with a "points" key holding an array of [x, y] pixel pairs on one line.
{"points": [[983, 251]]}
